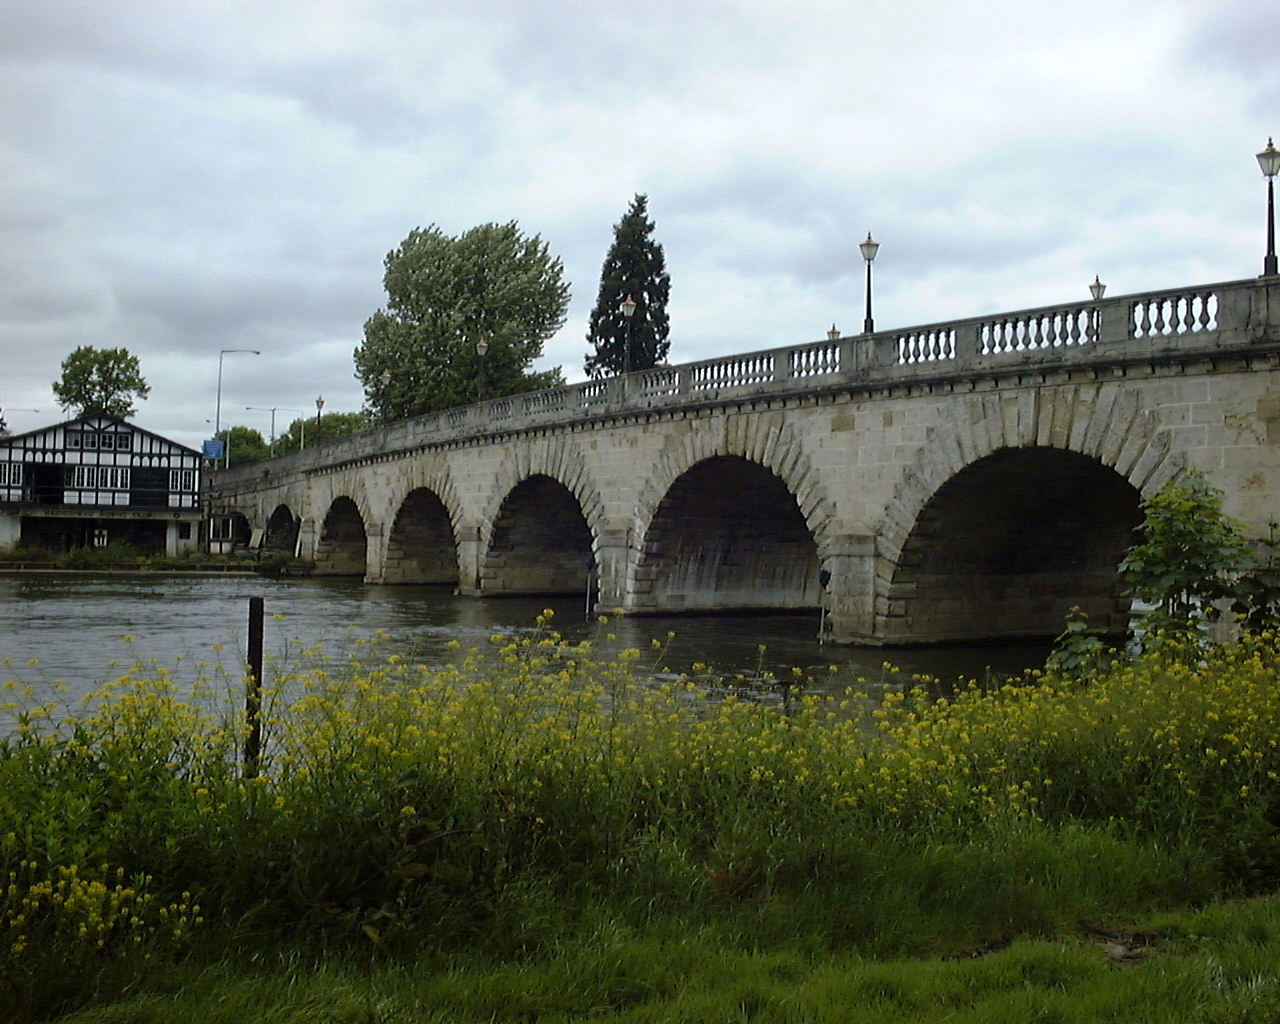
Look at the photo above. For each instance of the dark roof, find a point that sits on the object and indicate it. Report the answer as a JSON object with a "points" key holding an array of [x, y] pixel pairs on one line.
{"points": [[98, 416]]}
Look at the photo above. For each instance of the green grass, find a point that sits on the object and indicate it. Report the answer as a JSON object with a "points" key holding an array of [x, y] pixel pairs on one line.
{"points": [[1214, 965], [535, 834]]}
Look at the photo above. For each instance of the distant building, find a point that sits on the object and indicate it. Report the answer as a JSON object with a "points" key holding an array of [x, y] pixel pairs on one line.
{"points": [[95, 480]]}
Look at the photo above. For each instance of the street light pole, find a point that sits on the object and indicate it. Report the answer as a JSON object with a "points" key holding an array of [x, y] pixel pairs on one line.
{"points": [[272, 409], [482, 350], [1097, 290], [869, 248], [319, 406], [629, 311], [1269, 161], [217, 412]]}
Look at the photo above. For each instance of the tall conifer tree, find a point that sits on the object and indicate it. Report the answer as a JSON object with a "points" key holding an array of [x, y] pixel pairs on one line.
{"points": [[636, 269]]}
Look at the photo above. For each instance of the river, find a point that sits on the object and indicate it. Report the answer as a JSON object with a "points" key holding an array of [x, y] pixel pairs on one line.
{"points": [[74, 628]]}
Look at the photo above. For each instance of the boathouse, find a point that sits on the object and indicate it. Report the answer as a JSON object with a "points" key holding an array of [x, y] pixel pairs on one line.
{"points": [[95, 480]]}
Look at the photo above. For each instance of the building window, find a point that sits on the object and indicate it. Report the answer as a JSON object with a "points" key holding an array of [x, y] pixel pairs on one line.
{"points": [[10, 474], [184, 531], [89, 440], [182, 479], [73, 438], [124, 442], [100, 478]]}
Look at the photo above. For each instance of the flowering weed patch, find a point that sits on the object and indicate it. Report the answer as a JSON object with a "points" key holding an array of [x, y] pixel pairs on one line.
{"points": [[398, 805]]}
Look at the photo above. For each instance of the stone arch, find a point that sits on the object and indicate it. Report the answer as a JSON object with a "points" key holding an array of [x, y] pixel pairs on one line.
{"points": [[557, 458], [422, 545], [727, 535], [342, 546], [976, 542], [765, 439], [281, 531], [540, 542]]}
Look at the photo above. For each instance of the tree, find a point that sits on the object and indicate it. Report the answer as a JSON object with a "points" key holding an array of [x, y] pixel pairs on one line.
{"points": [[444, 294], [102, 380], [634, 268], [243, 446], [332, 426], [1190, 554]]}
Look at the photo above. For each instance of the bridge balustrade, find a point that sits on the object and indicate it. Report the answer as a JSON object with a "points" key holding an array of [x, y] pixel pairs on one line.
{"points": [[1215, 315]]}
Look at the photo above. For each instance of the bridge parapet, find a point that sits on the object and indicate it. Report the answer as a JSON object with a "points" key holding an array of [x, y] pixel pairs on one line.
{"points": [[1203, 318]]}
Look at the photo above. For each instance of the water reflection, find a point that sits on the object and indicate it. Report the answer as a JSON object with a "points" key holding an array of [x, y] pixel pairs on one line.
{"points": [[73, 627]]}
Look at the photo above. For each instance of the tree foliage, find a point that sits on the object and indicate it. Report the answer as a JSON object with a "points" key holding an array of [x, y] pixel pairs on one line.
{"points": [[445, 294], [633, 268], [1190, 553], [1193, 561], [331, 426], [243, 446], [105, 380]]}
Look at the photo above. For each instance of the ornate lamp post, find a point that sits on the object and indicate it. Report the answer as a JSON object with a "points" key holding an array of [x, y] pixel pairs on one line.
{"points": [[1097, 290], [629, 311], [319, 406], [217, 411], [1269, 161], [833, 334], [482, 350], [869, 248]]}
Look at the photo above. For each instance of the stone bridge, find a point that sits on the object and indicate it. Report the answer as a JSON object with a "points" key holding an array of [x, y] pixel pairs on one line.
{"points": [[965, 480]]}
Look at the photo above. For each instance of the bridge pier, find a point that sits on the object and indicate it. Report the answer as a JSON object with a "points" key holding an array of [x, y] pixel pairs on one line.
{"points": [[850, 595], [470, 540], [612, 556]]}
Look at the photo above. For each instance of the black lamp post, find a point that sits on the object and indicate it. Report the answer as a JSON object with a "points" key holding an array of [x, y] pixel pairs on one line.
{"points": [[1097, 290], [629, 311], [319, 406], [1269, 161], [482, 349], [869, 248]]}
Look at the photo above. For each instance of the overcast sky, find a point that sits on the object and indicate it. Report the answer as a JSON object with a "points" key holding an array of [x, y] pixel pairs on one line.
{"points": [[181, 177]]}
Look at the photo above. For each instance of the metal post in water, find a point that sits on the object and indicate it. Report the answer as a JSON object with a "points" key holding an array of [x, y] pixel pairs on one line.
{"points": [[253, 690]]}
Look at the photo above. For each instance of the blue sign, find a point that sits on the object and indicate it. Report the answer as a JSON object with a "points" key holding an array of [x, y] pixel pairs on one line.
{"points": [[212, 449]]}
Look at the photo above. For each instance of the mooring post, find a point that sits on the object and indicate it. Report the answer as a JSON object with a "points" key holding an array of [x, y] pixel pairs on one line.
{"points": [[253, 691]]}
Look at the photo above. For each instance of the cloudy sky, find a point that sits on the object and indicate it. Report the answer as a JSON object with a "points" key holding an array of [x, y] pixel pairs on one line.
{"points": [[186, 176]]}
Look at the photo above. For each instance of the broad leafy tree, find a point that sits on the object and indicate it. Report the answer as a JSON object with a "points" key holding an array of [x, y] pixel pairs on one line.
{"points": [[445, 294], [243, 446], [103, 380], [332, 425], [634, 269]]}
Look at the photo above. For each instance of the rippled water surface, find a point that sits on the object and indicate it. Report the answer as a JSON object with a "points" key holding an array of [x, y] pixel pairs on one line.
{"points": [[73, 628]]}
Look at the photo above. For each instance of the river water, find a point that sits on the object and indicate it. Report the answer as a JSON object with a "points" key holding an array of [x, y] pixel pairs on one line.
{"points": [[74, 628]]}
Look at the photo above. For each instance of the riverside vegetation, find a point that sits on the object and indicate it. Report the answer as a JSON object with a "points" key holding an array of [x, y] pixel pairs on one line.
{"points": [[535, 833]]}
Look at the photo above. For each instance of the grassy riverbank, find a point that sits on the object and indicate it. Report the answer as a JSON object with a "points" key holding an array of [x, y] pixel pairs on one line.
{"points": [[535, 835]]}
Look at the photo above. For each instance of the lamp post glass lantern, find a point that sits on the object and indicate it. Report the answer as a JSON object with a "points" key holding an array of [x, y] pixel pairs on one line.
{"points": [[1269, 161], [869, 249], [833, 334]]}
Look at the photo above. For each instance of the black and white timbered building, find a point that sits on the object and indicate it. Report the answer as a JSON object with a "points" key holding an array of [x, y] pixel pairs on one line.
{"points": [[98, 479]]}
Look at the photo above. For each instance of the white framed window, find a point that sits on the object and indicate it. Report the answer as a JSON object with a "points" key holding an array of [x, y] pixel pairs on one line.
{"points": [[124, 442], [89, 440], [73, 438], [182, 479], [10, 474], [100, 478]]}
